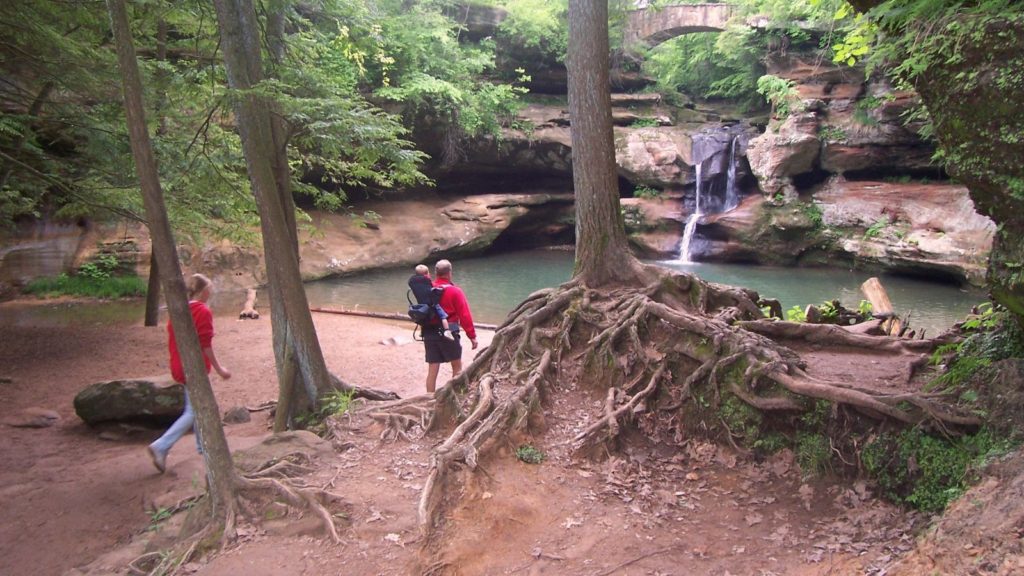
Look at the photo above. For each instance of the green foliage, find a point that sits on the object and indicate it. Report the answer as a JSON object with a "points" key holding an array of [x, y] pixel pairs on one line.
{"points": [[780, 93], [828, 310], [770, 443], [432, 74], [832, 133], [986, 318], [995, 337], [796, 314], [813, 453], [108, 287], [335, 403], [876, 228], [158, 516], [539, 24], [865, 308], [924, 471], [645, 123], [100, 268], [740, 418], [813, 213], [708, 65], [529, 454], [644, 191], [864, 107]]}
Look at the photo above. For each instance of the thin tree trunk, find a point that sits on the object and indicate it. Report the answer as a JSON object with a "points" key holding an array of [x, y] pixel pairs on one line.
{"points": [[219, 467], [242, 61], [153, 290], [602, 251], [152, 315]]}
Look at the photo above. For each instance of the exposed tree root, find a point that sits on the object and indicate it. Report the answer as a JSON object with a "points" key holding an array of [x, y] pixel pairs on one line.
{"points": [[205, 531], [649, 350]]}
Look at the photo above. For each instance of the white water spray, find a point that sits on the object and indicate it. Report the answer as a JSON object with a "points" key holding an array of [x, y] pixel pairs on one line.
{"points": [[732, 199], [691, 222]]}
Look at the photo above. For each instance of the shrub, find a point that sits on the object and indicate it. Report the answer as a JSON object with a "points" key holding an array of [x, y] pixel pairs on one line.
{"points": [[87, 286], [530, 455]]}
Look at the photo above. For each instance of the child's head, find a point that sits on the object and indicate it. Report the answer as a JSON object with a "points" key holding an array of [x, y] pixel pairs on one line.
{"points": [[422, 270], [196, 284]]}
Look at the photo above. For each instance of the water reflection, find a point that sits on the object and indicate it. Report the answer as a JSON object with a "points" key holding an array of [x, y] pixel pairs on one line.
{"points": [[496, 284]]}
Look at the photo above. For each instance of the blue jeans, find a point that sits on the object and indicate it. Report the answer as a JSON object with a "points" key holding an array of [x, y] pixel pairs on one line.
{"points": [[182, 425]]}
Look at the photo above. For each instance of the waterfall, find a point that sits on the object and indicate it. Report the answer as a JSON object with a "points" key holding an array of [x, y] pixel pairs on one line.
{"points": [[732, 199], [691, 223]]}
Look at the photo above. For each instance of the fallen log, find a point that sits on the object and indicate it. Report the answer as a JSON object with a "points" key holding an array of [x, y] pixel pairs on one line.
{"points": [[249, 309], [386, 316]]}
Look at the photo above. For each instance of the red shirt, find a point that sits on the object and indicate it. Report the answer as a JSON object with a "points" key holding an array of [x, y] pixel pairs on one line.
{"points": [[203, 319], [453, 300]]}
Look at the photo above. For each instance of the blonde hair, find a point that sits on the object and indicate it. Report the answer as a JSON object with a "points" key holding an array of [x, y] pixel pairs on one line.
{"points": [[422, 270], [195, 284]]}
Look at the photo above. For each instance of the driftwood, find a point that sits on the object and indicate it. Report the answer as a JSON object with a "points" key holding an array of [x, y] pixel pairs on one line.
{"points": [[881, 305], [249, 310]]}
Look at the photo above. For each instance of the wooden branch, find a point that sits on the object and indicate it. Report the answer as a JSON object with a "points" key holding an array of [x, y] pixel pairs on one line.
{"points": [[385, 316]]}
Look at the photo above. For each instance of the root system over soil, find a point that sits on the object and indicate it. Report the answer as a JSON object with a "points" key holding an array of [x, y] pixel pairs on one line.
{"points": [[673, 359]]}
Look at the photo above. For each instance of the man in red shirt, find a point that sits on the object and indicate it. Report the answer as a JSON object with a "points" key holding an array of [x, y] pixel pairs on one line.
{"points": [[460, 318]]}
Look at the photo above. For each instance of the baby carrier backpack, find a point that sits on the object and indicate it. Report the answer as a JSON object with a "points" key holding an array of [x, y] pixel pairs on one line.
{"points": [[424, 310]]}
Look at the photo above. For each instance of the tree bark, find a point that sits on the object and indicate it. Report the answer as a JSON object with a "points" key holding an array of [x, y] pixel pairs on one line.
{"points": [[602, 251], [290, 314], [152, 314], [153, 289], [294, 393], [219, 467]]}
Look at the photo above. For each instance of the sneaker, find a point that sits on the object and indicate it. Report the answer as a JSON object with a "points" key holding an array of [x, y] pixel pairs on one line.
{"points": [[159, 459], [448, 335]]}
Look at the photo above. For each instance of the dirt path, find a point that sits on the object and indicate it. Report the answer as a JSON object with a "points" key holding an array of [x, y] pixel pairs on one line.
{"points": [[70, 494]]}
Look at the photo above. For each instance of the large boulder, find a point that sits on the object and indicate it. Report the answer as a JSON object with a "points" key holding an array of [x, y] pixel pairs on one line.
{"points": [[911, 227], [653, 156], [155, 400], [778, 155]]}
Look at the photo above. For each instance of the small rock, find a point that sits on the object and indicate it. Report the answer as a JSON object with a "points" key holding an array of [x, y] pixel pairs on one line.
{"points": [[34, 418], [108, 436], [396, 341], [237, 415]]}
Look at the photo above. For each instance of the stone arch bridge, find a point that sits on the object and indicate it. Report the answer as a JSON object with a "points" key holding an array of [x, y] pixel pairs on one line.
{"points": [[652, 27]]}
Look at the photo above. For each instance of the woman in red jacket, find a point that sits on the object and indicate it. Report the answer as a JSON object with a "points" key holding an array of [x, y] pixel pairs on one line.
{"points": [[199, 289]]}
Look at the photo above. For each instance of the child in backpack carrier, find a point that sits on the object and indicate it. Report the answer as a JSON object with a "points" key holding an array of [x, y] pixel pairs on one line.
{"points": [[423, 289]]}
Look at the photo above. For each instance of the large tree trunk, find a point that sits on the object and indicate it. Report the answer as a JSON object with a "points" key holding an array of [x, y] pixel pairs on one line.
{"points": [[290, 309], [602, 251], [219, 467]]}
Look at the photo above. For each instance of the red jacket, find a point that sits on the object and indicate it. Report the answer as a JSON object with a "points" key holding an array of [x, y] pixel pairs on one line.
{"points": [[203, 319], [453, 300]]}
